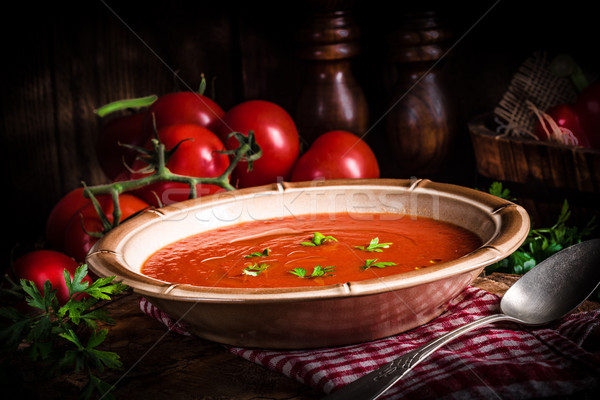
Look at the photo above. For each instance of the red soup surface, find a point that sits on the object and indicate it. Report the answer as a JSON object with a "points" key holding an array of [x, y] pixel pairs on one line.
{"points": [[312, 250]]}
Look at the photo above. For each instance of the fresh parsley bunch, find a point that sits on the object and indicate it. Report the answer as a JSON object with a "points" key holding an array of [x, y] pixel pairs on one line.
{"points": [[64, 337], [541, 243]]}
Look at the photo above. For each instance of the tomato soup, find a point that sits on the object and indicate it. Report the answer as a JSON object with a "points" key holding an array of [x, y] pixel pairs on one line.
{"points": [[311, 250]]}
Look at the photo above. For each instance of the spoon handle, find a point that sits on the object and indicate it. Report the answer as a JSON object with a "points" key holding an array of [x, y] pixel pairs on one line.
{"points": [[375, 383]]}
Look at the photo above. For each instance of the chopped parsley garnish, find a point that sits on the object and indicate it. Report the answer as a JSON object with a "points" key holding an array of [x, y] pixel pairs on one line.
{"points": [[265, 253], [375, 246], [318, 271], [319, 239], [255, 269], [377, 264]]}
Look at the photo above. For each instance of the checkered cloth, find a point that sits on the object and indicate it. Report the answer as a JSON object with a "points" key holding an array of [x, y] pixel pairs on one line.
{"points": [[496, 361]]}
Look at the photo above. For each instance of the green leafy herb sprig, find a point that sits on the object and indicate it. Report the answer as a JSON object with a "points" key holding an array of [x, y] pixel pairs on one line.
{"points": [[498, 190], [66, 336], [255, 269], [318, 271], [541, 243], [373, 262], [319, 239], [264, 253], [374, 245]]}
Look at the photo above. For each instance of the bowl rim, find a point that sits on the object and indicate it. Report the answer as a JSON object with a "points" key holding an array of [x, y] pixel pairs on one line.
{"points": [[105, 259]]}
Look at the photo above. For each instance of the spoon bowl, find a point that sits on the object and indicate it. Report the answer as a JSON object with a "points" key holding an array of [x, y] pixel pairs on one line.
{"points": [[556, 286], [549, 291]]}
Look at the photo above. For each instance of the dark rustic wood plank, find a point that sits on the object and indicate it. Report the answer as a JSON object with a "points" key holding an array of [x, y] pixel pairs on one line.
{"points": [[269, 67]]}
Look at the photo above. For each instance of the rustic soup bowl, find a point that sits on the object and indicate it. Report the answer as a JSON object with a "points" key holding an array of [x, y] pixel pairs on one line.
{"points": [[339, 314]]}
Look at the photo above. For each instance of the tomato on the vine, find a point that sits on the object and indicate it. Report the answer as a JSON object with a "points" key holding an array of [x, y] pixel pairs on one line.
{"points": [[276, 134], [336, 155], [40, 266], [59, 216], [577, 123], [199, 155], [112, 156], [185, 107], [85, 223], [587, 107]]}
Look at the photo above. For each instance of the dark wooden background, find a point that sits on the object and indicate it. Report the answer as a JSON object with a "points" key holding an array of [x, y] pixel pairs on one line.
{"points": [[61, 60]]}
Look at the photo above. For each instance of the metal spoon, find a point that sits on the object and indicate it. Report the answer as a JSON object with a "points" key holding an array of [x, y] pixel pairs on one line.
{"points": [[549, 291]]}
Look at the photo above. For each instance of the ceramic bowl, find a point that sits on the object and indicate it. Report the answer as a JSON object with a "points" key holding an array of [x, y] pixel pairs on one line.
{"points": [[339, 314]]}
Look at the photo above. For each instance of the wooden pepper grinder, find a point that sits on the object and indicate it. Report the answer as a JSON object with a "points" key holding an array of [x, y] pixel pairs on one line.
{"points": [[420, 125], [330, 97]]}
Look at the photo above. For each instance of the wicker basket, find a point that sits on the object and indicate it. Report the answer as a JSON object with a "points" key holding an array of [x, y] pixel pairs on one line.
{"points": [[540, 174]]}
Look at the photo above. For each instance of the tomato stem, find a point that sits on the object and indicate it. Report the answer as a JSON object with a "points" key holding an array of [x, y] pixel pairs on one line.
{"points": [[202, 87], [125, 104], [248, 150]]}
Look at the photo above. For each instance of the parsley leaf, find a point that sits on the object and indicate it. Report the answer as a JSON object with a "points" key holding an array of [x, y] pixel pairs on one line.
{"points": [[541, 243], [36, 299], [375, 246], [377, 264], [498, 190], [255, 269], [318, 239], [52, 334], [265, 253], [318, 271], [300, 272]]}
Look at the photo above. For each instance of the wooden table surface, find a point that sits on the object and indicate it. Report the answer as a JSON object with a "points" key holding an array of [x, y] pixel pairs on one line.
{"points": [[165, 365]]}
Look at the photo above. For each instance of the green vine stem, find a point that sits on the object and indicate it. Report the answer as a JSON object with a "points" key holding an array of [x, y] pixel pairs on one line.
{"points": [[248, 150], [124, 104], [202, 87]]}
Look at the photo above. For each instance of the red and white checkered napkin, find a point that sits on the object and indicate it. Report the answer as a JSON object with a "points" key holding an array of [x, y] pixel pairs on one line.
{"points": [[504, 361]]}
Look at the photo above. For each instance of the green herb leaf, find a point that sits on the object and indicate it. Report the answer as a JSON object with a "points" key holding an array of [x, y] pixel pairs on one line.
{"points": [[77, 284], [541, 243], [88, 355], [35, 298], [498, 190], [265, 253], [70, 335], [97, 385], [102, 288], [377, 264], [255, 269], [300, 272], [319, 239], [375, 246], [318, 271], [12, 335], [51, 333], [322, 271]]}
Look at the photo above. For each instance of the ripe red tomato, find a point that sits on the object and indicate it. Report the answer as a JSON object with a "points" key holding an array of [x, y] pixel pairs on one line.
{"points": [[587, 107], [113, 157], [77, 239], [336, 155], [275, 133], [42, 265], [565, 116], [183, 108], [60, 214], [198, 156]]}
